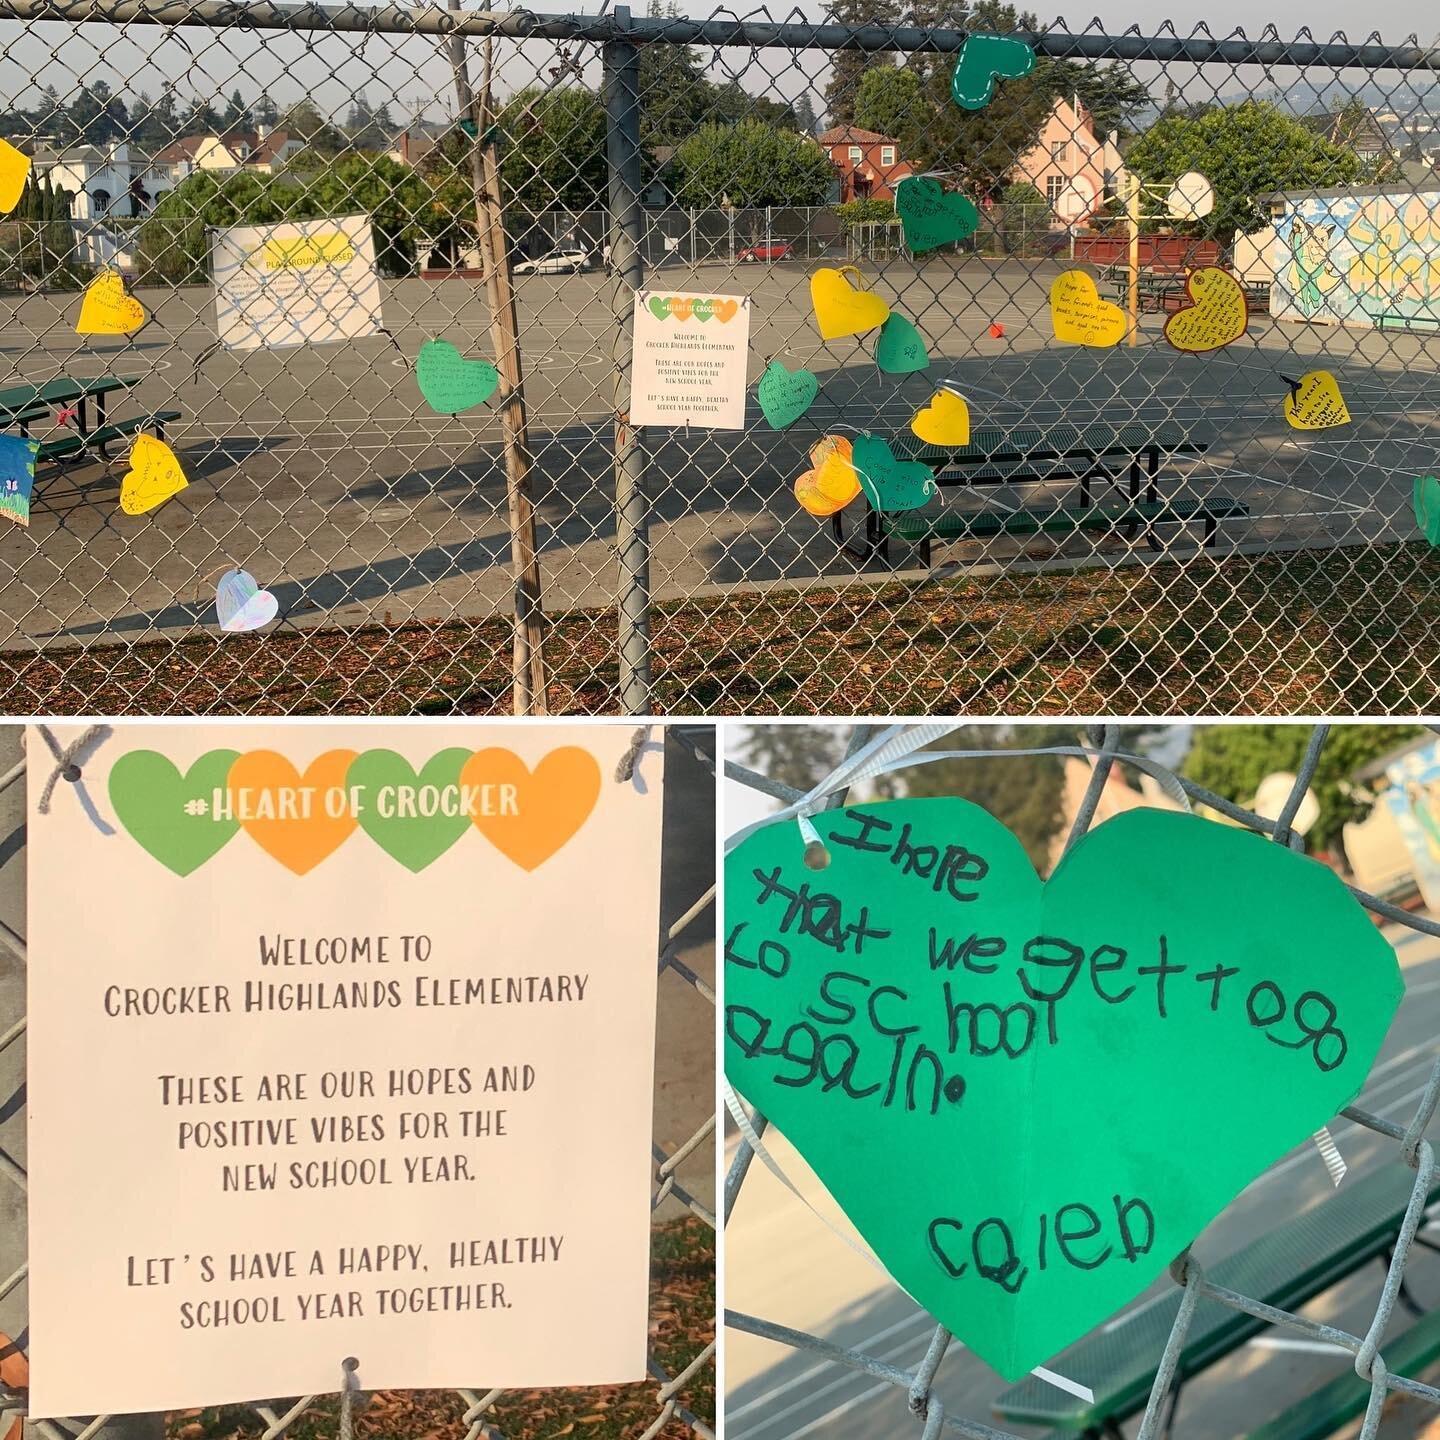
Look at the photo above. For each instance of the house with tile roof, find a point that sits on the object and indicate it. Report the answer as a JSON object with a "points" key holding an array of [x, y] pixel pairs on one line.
{"points": [[868, 164]]}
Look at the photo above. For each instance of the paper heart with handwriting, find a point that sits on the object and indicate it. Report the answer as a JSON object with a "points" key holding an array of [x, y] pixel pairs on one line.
{"points": [[1315, 402], [1426, 499], [900, 349], [830, 483], [1089, 1068], [449, 382], [173, 815], [945, 421], [415, 840], [527, 815], [105, 308], [240, 603], [931, 216], [983, 60], [1080, 316], [785, 395], [1216, 316], [300, 841], [659, 307], [14, 172], [842, 307], [154, 476], [891, 484]]}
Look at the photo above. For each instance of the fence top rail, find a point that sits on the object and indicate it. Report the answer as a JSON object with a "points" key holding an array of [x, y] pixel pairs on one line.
{"points": [[1200, 48]]}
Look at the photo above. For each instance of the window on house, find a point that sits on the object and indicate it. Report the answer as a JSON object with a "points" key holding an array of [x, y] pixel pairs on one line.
{"points": [[1054, 188], [855, 154], [887, 155], [101, 200], [1058, 151]]}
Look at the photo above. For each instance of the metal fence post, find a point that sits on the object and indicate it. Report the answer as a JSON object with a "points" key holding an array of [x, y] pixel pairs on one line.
{"points": [[620, 90]]}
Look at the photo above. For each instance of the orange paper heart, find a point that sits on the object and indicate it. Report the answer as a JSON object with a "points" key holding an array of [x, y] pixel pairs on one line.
{"points": [[527, 815], [302, 831], [681, 305], [726, 310]]}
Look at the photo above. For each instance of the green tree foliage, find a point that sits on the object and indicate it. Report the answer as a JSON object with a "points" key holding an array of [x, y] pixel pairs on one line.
{"points": [[806, 121], [96, 117], [198, 118], [1248, 151], [752, 163], [401, 205], [302, 121], [1232, 760], [553, 151], [893, 102], [37, 240], [849, 67], [236, 115], [1024, 215], [369, 127], [154, 124], [796, 755], [267, 114]]}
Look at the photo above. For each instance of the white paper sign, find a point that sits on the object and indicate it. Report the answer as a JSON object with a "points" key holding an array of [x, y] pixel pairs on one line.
{"points": [[689, 361], [305, 282], [346, 1051]]}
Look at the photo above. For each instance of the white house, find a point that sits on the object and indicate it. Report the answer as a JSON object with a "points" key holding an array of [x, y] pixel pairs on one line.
{"points": [[105, 183]]}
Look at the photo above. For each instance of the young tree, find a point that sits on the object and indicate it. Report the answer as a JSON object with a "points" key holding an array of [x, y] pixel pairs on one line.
{"points": [[806, 121], [1246, 151], [751, 164]]}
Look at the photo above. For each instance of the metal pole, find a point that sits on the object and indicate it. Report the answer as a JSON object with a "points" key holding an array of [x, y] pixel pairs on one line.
{"points": [[620, 90], [527, 660]]}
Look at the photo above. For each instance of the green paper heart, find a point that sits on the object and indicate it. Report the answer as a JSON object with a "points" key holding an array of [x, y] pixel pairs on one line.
{"points": [[1427, 507], [931, 216], [785, 395], [703, 309], [1023, 1114], [983, 60], [659, 306], [890, 484], [150, 797], [449, 382], [415, 841], [901, 347]]}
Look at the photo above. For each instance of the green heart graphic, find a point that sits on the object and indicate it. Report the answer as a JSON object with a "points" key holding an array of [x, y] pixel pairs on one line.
{"points": [[930, 216], [150, 797], [414, 840], [1427, 507], [703, 309], [659, 306], [1030, 1098], [901, 347], [890, 484], [983, 60], [785, 395], [449, 382]]}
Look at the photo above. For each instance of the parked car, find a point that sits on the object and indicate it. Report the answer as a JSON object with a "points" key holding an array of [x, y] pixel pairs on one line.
{"points": [[558, 262], [767, 250]]}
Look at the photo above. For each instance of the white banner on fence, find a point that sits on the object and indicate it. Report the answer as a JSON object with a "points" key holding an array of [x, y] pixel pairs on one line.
{"points": [[306, 282], [340, 1044], [689, 359]]}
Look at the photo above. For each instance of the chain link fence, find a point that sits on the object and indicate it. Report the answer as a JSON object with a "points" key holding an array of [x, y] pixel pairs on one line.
{"points": [[1131, 530], [683, 1174], [1405, 1147]]}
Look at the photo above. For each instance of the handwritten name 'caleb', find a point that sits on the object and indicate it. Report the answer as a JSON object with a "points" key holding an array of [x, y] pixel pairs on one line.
{"points": [[337, 802]]}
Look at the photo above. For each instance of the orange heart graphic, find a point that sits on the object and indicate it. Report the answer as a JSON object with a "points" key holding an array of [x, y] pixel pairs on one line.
{"points": [[725, 310], [681, 305], [302, 834], [527, 814]]}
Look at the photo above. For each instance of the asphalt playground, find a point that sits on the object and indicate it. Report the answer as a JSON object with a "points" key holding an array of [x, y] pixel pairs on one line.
{"points": [[321, 470]]}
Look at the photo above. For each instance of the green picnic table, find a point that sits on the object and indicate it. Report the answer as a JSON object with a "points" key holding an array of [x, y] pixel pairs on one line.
{"points": [[1127, 457], [22, 405], [1284, 1268]]}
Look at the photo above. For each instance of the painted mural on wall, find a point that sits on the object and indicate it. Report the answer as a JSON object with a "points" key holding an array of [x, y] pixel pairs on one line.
{"points": [[1413, 796], [1349, 260]]}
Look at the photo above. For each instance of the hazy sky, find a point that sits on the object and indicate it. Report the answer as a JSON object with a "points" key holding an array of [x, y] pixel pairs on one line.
{"points": [[407, 72]]}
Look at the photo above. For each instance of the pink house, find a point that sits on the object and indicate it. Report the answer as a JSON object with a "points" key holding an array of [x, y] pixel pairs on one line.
{"points": [[869, 164], [1074, 169]]}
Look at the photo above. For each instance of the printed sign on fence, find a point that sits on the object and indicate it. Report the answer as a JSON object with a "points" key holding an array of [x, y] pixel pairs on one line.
{"points": [[689, 360], [306, 282], [346, 1052]]}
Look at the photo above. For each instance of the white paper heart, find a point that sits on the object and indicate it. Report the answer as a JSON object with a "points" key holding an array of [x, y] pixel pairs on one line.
{"points": [[241, 604]]}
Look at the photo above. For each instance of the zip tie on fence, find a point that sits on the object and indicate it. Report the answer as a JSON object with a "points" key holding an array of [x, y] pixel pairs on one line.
{"points": [[1330, 1154], [67, 760], [625, 770]]}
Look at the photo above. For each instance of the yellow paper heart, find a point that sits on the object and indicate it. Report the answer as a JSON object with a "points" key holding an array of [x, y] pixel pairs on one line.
{"points": [[153, 477], [831, 483], [944, 421], [1217, 316], [1080, 316], [1316, 402], [14, 172], [840, 308], [107, 309]]}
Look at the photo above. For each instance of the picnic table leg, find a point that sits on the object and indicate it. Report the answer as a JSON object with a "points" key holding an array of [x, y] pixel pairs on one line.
{"points": [[1152, 489]]}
